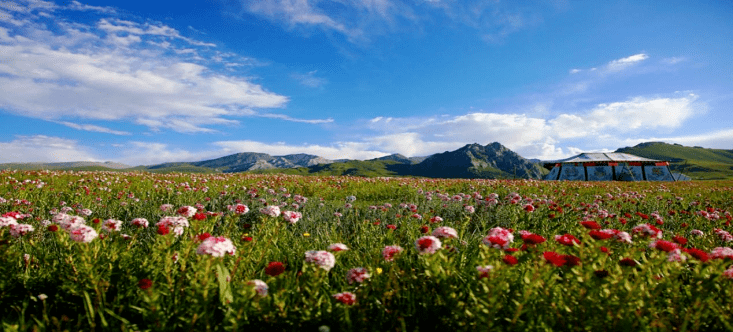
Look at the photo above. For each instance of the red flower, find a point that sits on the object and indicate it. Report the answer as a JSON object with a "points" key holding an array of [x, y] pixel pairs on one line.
{"points": [[274, 269], [95, 220], [199, 216], [571, 260], [601, 273], [554, 258], [604, 250], [529, 208], [511, 260], [567, 239], [590, 224], [145, 283], [680, 240], [665, 246], [424, 229], [533, 238], [600, 235], [392, 227], [346, 298], [511, 250], [204, 236], [53, 228], [643, 216], [163, 229], [247, 238], [627, 262], [697, 253]]}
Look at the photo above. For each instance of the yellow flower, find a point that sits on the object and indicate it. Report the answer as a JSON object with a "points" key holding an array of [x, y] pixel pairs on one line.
{"points": [[306, 234], [379, 270]]}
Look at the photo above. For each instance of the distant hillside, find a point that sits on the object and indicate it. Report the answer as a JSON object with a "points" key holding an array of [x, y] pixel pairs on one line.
{"points": [[243, 162], [471, 161], [696, 162], [78, 165], [475, 161]]}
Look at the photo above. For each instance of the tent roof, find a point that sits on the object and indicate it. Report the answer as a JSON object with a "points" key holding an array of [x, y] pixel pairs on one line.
{"points": [[600, 157]]}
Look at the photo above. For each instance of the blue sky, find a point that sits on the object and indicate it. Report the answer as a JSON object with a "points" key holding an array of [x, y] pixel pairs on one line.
{"points": [[145, 82]]}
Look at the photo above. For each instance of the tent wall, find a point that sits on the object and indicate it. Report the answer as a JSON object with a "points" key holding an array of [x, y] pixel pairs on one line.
{"points": [[619, 171]]}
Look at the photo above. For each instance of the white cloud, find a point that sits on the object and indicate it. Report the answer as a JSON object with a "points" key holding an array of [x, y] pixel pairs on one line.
{"points": [[41, 148], [109, 71], [623, 63]]}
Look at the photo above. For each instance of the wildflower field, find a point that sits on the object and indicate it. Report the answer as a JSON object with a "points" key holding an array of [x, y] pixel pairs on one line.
{"points": [[138, 251]]}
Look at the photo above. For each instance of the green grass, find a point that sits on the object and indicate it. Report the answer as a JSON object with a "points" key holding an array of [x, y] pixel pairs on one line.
{"points": [[695, 162]]}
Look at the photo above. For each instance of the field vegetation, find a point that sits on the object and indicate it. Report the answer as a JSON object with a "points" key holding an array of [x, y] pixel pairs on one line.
{"points": [[142, 251]]}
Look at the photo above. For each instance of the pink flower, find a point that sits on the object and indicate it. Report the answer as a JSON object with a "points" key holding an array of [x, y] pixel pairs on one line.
{"points": [[336, 247], [358, 274], [622, 237], [259, 286], [7, 221], [567, 239], [469, 208], [483, 271], [83, 233], [721, 253], [436, 219], [728, 273], [178, 224], [19, 230], [112, 225], [292, 217], [238, 208], [271, 210], [216, 247], [696, 232], [676, 256], [499, 238], [323, 259], [140, 222], [647, 230], [166, 207], [445, 232], [723, 235], [390, 251], [427, 244], [186, 211], [529, 208], [346, 298]]}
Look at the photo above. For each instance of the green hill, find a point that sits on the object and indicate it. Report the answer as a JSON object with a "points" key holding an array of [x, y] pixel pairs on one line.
{"points": [[696, 162]]}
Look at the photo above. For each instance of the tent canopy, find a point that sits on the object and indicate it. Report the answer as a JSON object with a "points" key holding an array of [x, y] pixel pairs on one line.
{"points": [[608, 167]]}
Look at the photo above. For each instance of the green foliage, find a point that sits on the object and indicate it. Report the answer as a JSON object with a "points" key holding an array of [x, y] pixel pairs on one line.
{"points": [[138, 279], [695, 162]]}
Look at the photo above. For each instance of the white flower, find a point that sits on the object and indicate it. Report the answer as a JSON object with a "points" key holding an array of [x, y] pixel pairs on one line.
{"points": [[427, 244], [216, 246], [112, 225], [323, 259], [272, 210], [292, 217], [338, 247], [260, 287], [83, 233], [445, 232], [20, 229], [358, 274], [7, 221]]}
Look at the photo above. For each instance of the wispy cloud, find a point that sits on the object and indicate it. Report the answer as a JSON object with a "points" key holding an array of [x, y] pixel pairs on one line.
{"points": [[94, 128], [359, 21], [309, 79]]}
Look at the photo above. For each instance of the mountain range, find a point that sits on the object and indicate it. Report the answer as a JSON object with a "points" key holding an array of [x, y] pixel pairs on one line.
{"points": [[471, 161]]}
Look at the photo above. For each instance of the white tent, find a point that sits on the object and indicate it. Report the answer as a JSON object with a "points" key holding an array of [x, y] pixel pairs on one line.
{"points": [[608, 167]]}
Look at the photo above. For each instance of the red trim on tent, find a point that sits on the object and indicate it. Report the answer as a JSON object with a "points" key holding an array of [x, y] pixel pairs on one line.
{"points": [[664, 163], [557, 165], [612, 164], [589, 164], [635, 163]]}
